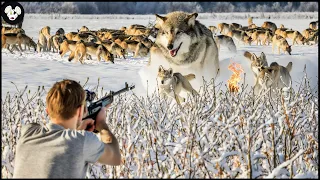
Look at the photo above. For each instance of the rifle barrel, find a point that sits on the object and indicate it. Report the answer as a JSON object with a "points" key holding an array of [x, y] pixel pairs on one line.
{"points": [[123, 90]]}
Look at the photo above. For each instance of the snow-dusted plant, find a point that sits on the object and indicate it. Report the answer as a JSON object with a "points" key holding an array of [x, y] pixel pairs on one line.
{"points": [[218, 134]]}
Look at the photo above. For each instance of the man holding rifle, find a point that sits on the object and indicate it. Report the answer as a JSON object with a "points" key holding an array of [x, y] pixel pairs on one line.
{"points": [[64, 147]]}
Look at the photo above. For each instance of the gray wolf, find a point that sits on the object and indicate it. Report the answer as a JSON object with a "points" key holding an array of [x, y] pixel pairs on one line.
{"points": [[46, 32], [275, 76], [83, 28], [240, 36], [185, 45], [213, 29], [171, 84], [269, 25], [296, 37], [13, 39], [114, 48], [5, 30], [43, 43], [137, 48], [92, 49], [261, 37], [236, 25], [282, 43], [225, 41], [256, 62], [225, 28], [313, 25]]}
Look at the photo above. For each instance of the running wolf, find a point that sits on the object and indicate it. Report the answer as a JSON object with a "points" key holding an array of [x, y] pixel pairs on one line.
{"points": [[256, 62], [275, 76], [185, 45], [171, 84]]}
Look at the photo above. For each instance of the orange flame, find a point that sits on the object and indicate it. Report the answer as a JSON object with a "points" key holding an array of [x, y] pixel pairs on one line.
{"points": [[235, 77]]}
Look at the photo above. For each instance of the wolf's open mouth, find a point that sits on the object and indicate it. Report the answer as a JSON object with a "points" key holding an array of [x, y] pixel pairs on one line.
{"points": [[173, 52]]}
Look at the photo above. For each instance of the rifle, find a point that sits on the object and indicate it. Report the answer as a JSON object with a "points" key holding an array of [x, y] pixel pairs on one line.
{"points": [[94, 108]]}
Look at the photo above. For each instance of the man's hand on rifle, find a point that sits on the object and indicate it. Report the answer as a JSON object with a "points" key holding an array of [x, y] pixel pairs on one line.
{"points": [[101, 118], [89, 124]]}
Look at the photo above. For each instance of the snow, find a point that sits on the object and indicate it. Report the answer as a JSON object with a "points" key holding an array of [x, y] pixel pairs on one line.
{"points": [[44, 69]]}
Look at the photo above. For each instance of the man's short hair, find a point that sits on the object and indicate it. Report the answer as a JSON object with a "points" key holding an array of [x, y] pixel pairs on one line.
{"points": [[64, 98]]}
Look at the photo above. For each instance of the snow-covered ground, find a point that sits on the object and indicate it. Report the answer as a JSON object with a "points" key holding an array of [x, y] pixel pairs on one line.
{"points": [[44, 69]]}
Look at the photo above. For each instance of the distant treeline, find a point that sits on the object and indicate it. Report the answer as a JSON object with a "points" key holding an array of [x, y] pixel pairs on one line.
{"points": [[165, 7]]}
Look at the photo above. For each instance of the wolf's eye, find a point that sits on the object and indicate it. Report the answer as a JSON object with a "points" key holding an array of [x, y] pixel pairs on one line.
{"points": [[179, 32]]}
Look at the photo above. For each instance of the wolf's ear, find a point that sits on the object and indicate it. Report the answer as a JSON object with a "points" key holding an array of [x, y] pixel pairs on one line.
{"points": [[160, 19], [191, 19], [160, 69], [270, 70], [253, 57], [170, 71], [263, 56]]}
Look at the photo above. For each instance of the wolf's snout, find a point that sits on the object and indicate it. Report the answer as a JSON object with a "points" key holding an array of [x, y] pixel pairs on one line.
{"points": [[170, 46], [162, 81]]}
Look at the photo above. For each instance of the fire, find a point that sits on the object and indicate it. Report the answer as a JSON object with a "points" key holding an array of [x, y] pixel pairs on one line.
{"points": [[235, 77]]}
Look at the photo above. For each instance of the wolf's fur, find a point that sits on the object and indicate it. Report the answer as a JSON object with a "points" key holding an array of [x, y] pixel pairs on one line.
{"points": [[261, 37], [186, 45], [225, 41], [5, 30], [282, 43], [60, 31], [227, 28], [313, 25], [213, 29], [137, 48], [86, 37], [66, 46], [79, 52], [42, 43], [307, 33], [92, 49], [236, 25], [55, 41], [252, 26], [114, 48], [281, 32], [14, 39], [46, 32], [269, 25], [143, 39], [313, 39], [256, 62], [250, 21], [275, 76], [83, 28], [296, 37], [222, 27], [240, 36], [137, 30], [171, 84]]}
